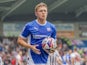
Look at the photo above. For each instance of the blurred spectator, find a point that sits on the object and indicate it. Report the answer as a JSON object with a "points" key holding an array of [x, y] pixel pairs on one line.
{"points": [[76, 57], [19, 59], [1, 62]]}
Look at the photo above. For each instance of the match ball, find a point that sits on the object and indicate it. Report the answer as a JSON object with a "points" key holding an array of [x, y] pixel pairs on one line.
{"points": [[49, 44]]}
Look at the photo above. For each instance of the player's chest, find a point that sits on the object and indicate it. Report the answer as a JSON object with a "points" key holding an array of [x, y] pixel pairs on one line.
{"points": [[41, 30]]}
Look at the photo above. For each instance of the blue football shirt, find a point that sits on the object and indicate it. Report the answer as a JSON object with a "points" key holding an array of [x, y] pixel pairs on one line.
{"points": [[36, 33]]}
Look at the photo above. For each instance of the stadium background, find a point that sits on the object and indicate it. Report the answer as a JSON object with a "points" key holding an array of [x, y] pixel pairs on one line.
{"points": [[69, 16]]}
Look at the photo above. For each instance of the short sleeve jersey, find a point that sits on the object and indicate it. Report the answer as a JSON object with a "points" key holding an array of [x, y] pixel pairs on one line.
{"points": [[36, 33]]}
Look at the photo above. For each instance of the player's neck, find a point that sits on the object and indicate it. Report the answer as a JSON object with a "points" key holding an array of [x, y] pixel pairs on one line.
{"points": [[41, 21]]}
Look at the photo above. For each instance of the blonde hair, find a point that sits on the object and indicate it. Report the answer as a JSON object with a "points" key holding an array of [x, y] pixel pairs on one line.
{"points": [[40, 5]]}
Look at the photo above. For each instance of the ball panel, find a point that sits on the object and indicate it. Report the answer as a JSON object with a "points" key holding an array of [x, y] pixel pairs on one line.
{"points": [[49, 44]]}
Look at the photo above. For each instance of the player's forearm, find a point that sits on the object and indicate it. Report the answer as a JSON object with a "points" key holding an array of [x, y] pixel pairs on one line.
{"points": [[23, 43]]}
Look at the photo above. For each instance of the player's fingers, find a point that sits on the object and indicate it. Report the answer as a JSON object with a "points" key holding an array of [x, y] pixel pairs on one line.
{"points": [[37, 51], [36, 45]]}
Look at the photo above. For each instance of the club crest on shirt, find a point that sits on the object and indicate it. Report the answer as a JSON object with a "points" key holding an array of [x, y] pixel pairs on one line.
{"points": [[49, 29]]}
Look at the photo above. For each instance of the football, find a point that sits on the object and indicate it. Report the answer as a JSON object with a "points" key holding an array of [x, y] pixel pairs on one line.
{"points": [[49, 44]]}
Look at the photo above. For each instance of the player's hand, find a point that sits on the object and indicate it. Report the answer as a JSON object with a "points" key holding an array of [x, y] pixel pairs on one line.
{"points": [[50, 51], [37, 51]]}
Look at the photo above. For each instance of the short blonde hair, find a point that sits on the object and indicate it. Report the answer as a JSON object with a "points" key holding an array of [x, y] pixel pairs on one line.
{"points": [[40, 5]]}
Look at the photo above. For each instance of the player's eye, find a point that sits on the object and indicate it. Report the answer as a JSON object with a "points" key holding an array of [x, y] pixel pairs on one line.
{"points": [[42, 11]]}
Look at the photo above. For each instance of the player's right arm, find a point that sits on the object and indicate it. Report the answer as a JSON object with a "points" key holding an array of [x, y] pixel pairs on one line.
{"points": [[23, 36], [23, 43]]}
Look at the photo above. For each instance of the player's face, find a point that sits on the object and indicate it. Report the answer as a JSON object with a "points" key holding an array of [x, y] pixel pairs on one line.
{"points": [[41, 13]]}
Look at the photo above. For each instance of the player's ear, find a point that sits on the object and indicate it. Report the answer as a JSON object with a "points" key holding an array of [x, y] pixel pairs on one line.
{"points": [[35, 13]]}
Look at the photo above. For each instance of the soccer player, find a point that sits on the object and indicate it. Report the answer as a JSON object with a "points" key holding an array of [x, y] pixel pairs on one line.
{"points": [[35, 31]]}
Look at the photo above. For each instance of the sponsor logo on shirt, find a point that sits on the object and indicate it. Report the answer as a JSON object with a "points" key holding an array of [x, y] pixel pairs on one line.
{"points": [[39, 36]]}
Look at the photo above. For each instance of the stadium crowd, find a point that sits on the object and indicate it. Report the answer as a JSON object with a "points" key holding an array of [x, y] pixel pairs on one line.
{"points": [[13, 54]]}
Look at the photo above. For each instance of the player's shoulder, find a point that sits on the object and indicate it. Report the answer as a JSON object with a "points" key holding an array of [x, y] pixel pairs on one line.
{"points": [[51, 24], [30, 23]]}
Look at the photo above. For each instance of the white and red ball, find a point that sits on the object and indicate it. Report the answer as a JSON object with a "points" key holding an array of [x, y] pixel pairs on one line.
{"points": [[49, 44]]}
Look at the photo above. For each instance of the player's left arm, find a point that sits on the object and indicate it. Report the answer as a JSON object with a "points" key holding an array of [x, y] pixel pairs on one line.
{"points": [[53, 35], [54, 32]]}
